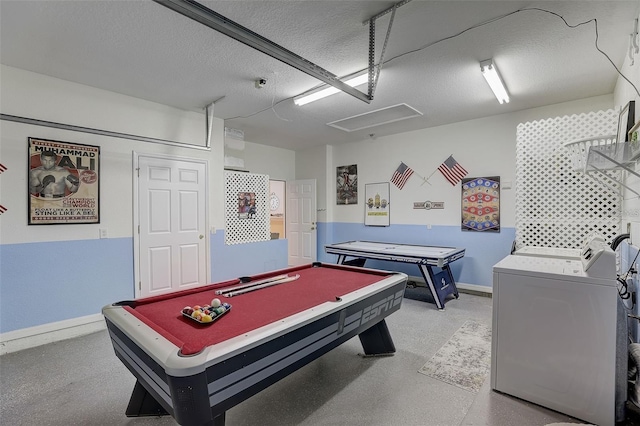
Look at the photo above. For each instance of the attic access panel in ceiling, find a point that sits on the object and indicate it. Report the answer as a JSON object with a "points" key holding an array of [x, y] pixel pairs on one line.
{"points": [[376, 118]]}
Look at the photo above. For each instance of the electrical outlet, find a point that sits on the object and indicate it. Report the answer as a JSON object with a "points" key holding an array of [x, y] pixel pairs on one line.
{"points": [[103, 233], [428, 226]]}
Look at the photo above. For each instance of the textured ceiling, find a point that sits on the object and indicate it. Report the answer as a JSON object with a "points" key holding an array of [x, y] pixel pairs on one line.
{"points": [[143, 49]]}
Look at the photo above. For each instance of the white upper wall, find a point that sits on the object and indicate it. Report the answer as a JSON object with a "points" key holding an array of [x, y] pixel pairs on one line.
{"points": [[46, 98], [36, 96], [484, 147], [278, 163]]}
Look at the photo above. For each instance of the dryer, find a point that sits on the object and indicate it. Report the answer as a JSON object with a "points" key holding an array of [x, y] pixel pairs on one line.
{"points": [[555, 334]]}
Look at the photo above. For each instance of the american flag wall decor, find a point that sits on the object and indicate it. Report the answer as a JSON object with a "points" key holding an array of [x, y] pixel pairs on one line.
{"points": [[401, 175], [452, 170]]}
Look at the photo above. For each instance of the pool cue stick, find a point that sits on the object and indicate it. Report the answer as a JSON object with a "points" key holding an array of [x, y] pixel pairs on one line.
{"points": [[252, 283], [258, 287]]}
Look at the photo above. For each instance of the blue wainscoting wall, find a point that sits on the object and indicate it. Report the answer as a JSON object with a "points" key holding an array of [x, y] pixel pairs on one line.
{"points": [[47, 282], [482, 249], [240, 260]]}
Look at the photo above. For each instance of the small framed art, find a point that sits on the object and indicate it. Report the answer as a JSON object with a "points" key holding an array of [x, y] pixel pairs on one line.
{"points": [[376, 207], [626, 121]]}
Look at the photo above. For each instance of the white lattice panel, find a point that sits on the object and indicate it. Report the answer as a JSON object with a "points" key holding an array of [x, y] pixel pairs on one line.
{"points": [[246, 227], [557, 205]]}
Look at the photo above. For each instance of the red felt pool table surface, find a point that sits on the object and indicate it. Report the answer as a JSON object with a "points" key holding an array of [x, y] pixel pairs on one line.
{"points": [[249, 311]]}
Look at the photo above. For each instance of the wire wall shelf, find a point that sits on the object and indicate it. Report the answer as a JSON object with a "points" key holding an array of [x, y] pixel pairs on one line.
{"points": [[595, 157]]}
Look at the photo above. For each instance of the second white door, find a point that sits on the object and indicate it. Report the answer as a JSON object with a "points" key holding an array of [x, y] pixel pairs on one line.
{"points": [[301, 221]]}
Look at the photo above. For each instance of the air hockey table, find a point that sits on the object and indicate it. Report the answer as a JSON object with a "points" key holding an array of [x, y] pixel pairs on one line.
{"points": [[440, 284], [197, 371]]}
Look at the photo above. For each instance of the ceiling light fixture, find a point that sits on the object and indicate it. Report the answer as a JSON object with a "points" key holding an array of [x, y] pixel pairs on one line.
{"points": [[323, 91], [490, 73]]}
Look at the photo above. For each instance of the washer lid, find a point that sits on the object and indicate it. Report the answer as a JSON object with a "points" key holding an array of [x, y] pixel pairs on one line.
{"points": [[557, 253], [544, 267]]}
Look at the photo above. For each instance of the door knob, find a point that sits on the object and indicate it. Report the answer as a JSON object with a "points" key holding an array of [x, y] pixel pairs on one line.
{"points": [[201, 236], [312, 228]]}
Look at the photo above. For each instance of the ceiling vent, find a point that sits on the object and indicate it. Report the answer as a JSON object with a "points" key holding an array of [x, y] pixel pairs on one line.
{"points": [[376, 118]]}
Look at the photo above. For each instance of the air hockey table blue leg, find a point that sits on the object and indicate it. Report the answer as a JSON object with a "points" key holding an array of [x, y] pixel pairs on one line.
{"points": [[440, 285]]}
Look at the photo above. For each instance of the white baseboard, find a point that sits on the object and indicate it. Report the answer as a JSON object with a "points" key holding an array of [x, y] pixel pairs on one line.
{"points": [[31, 337], [480, 290], [475, 289]]}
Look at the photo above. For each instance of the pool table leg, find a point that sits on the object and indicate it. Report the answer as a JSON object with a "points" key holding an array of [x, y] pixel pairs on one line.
{"points": [[376, 340], [142, 403], [219, 420]]}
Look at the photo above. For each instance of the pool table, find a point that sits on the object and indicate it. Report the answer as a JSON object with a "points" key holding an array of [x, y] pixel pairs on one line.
{"points": [[195, 372]]}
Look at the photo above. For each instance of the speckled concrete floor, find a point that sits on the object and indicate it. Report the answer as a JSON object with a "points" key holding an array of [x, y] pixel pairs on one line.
{"points": [[81, 382]]}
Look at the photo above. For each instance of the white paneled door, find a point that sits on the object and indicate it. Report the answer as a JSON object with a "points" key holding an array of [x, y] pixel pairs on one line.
{"points": [[172, 231], [301, 221]]}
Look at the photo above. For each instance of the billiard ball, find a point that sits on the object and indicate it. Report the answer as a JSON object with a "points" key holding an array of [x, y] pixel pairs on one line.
{"points": [[215, 303]]}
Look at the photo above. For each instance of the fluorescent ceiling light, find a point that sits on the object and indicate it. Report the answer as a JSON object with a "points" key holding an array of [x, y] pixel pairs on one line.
{"points": [[490, 73], [328, 91]]}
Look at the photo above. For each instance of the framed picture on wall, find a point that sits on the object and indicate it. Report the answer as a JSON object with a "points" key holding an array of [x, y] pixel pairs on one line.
{"points": [[626, 121], [632, 135], [246, 205], [347, 184], [376, 208], [634, 142], [481, 204], [63, 182]]}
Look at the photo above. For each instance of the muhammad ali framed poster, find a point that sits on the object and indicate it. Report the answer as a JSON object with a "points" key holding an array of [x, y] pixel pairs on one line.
{"points": [[64, 182]]}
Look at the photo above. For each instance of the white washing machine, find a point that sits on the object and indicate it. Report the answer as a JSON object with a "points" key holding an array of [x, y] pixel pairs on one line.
{"points": [[555, 339], [558, 252]]}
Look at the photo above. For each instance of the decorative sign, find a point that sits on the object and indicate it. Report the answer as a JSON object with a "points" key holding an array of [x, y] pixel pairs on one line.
{"points": [[376, 209], [481, 204], [428, 205], [64, 182]]}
